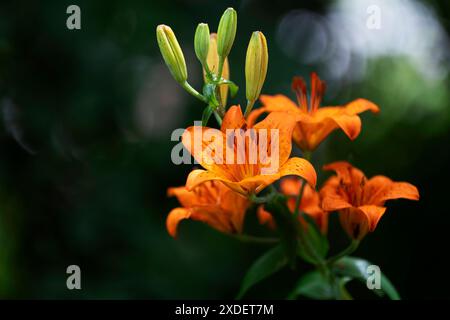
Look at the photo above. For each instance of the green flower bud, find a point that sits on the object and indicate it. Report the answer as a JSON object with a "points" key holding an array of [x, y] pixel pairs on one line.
{"points": [[171, 52], [256, 65], [226, 32], [201, 42]]}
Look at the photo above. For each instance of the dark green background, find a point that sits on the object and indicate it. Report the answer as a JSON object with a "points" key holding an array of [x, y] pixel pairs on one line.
{"points": [[85, 155]]}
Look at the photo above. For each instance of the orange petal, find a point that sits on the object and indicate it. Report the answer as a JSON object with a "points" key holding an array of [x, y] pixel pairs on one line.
{"points": [[236, 204], [354, 222], [294, 166], [334, 117], [197, 177], [254, 115], [174, 217], [279, 103], [284, 126], [360, 105], [380, 188], [234, 119], [332, 199], [207, 146], [373, 214], [300, 167], [290, 186], [265, 217], [346, 172], [186, 198]]}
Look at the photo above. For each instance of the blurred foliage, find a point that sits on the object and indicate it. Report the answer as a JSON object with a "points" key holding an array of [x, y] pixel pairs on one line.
{"points": [[85, 125]]}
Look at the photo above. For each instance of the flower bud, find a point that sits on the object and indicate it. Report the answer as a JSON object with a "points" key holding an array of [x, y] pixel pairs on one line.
{"points": [[213, 65], [256, 65], [226, 32], [171, 52], [201, 42]]}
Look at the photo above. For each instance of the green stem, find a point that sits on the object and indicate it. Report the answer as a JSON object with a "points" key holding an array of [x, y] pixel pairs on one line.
{"points": [[220, 69], [218, 118], [299, 199], [193, 92], [349, 250], [249, 107], [254, 239]]}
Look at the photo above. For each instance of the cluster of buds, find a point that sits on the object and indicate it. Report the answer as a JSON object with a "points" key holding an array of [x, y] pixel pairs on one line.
{"points": [[212, 50]]}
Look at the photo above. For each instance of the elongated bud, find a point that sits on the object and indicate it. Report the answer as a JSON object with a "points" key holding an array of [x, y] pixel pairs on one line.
{"points": [[213, 64], [226, 32], [256, 65], [201, 42], [171, 52]]}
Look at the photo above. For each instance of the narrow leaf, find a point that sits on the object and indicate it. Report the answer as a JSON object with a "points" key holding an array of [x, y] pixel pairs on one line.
{"points": [[207, 112], [312, 285], [356, 268], [269, 263]]}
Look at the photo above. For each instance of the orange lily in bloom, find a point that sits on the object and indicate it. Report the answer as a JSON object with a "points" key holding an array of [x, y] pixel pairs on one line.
{"points": [[309, 204], [315, 122], [226, 158], [360, 201], [212, 203]]}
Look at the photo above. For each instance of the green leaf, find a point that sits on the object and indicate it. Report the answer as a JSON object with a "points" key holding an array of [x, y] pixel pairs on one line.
{"points": [[313, 285], [207, 112], [269, 263], [231, 85], [316, 239], [356, 268], [209, 91], [287, 226]]}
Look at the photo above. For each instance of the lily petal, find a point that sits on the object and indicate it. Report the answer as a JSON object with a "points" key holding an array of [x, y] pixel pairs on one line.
{"points": [[373, 214], [199, 176], [276, 103], [207, 146], [174, 218], [234, 119], [279, 103], [380, 188], [300, 167], [285, 126], [332, 199], [294, 166], [360, 105]]}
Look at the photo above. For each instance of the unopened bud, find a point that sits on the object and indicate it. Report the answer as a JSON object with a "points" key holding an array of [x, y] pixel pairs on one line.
{"points": [[201, 42], [256, 65], [226, 32], [213, 65], [171, 52]]}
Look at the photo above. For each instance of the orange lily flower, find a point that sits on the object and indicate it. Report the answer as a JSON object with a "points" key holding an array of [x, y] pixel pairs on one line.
{"points": [[315, 122], [309, 204], [212, 203], [360, 201], [246, 174]]}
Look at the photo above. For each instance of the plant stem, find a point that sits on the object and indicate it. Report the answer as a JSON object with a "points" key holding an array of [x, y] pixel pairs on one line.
{"points": [[249, 107], [220, 69], [193, 92], [218, 118], [350, 249], [299, 199]]}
